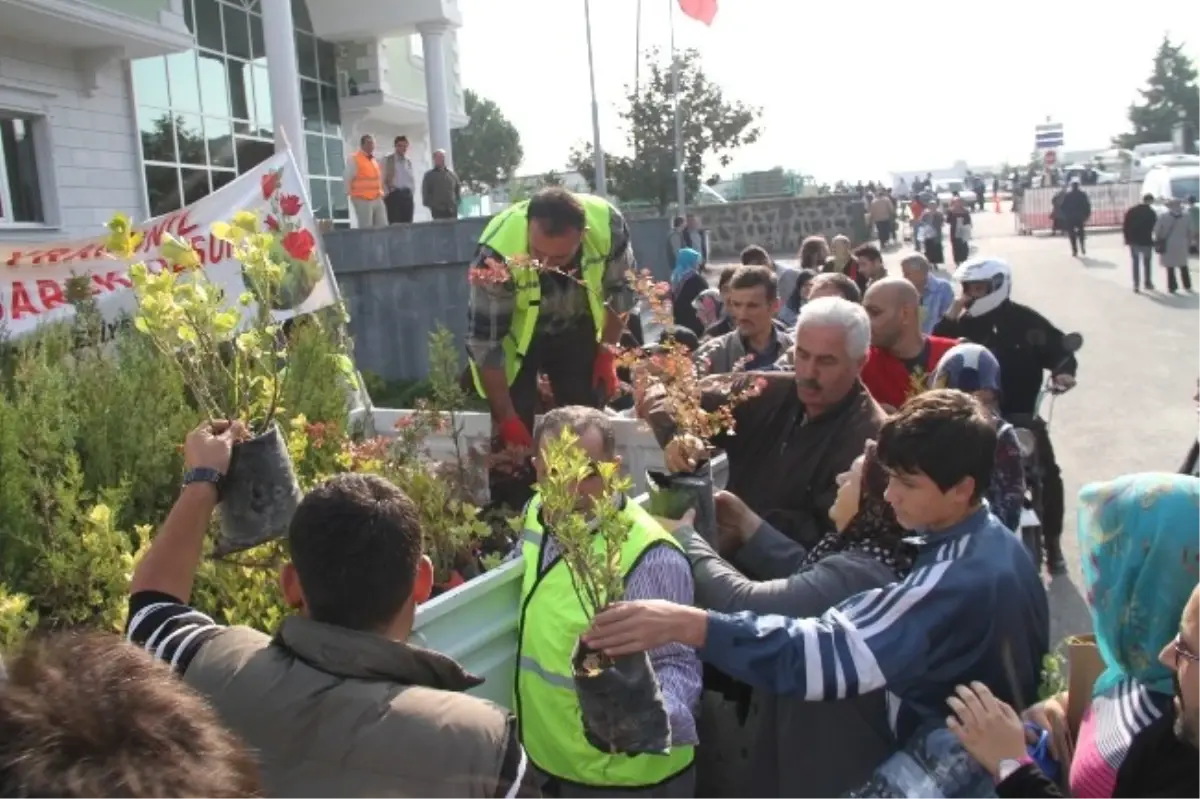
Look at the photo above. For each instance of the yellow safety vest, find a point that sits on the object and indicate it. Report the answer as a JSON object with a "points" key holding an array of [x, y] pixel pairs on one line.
{"points": [[548, 713], [366, 183], [508, 234]]}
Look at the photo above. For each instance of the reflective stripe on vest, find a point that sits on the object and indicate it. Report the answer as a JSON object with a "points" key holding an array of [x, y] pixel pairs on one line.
{"points": [[548, 712], [508, 234], [366, 183]]}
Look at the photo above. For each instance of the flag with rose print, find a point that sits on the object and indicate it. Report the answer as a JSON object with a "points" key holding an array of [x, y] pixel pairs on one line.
{"points": [[33, 275]]}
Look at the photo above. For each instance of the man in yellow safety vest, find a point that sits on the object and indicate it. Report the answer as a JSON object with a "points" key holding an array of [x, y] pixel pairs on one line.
{"points": [[552, 618], [364, 185], [560, 319]]}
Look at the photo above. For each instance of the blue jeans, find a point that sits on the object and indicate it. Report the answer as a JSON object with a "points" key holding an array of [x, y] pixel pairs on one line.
{"points": [[1145, 254]]}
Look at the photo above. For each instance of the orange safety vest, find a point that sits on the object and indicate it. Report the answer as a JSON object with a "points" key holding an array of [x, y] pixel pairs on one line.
{"points": [[366, 183]]}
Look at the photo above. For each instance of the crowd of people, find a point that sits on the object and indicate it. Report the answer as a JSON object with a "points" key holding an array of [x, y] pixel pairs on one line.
{"points": [[863, 586]]}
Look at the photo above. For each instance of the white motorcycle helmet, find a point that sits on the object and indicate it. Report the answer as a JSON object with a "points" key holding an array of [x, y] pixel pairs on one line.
{"points": [[991, 271]]}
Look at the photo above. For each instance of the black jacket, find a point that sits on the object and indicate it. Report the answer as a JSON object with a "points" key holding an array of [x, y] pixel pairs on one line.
{"points": [[1138, 226], [1076, 207], [1025, 344], [681, 304]]}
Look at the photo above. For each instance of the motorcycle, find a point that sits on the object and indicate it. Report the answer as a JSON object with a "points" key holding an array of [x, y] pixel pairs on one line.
{"points": [[1031, 514]]}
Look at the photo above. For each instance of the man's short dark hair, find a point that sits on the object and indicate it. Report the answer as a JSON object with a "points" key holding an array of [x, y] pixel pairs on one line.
{"points": [[868, 252], [682, 334], [844, 285], [355, 541], [363, 139], [400, 138], [945, 435], [756, 255], [677, 221], [749, 276], [727, 274], [1149, 198], [581, 419], [558, 211], [91, 715]]}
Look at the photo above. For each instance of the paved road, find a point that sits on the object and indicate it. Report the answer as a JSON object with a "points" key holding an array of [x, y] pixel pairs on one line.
{"points": [[1132, 410]]}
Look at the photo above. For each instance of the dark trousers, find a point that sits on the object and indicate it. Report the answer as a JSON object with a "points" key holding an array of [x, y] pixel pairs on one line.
{"points": [[960, 249], [444, 213], [934, 252], [1052, 491], [1145, 254], [567, 360], [399, 204], [1184, 278], [1078, 242], [884, 231]]}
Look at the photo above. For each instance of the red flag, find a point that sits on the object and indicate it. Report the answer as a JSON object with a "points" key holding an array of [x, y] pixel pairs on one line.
{"points": [[703, 10]]}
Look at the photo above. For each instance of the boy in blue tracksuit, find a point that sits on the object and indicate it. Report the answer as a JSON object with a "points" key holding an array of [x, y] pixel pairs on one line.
{"points": [[973, 607]]}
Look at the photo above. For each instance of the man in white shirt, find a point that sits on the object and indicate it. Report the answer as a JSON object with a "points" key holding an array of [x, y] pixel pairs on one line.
{"points": [[398, 183]]}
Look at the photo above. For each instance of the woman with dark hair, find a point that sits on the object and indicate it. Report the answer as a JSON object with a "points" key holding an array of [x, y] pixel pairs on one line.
{"points": [[794, 747], [813, 252]]}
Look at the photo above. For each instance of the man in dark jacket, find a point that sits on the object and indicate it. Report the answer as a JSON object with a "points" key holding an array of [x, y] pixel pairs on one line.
{"points": [[1138, 228], [1075, 210]]}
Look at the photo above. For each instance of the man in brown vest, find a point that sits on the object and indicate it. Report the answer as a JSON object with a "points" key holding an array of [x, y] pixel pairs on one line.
{"points": [[335, 704]]}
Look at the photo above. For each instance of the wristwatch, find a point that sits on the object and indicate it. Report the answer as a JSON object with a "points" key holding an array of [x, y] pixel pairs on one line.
{"points": [[203, 474], [1007, 766]]}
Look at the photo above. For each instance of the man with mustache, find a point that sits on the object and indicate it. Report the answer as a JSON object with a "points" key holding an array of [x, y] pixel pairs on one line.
{"points": [[791, 440]]}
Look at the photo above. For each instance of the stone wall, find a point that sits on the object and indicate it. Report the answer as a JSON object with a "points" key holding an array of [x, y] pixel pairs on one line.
{"points": [[399, 282]]}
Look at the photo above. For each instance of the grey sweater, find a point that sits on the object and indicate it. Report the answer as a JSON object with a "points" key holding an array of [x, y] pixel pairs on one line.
{"points": [[788, 747]]}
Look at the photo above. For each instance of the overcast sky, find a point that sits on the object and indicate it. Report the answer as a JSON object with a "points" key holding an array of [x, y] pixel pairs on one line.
{"points": [[848, 90]]}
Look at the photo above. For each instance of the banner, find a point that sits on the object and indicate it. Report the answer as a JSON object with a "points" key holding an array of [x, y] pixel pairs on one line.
{"points": [[33, 275]]}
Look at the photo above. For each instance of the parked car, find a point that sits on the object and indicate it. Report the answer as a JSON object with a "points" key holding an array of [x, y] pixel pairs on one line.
{"points": [[1178, 182], [946, 189]]}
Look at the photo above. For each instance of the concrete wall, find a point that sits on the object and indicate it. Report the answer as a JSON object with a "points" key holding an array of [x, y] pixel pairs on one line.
{"points": [[86, 148], [399, 282]]}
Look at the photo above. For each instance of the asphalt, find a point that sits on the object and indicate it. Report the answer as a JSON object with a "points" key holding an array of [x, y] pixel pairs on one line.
{"points": [[1133, 409]]}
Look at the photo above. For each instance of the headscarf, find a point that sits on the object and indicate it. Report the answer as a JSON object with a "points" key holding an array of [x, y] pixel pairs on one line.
{"points": [[874, 530], [686, 263], [1138, 540]]}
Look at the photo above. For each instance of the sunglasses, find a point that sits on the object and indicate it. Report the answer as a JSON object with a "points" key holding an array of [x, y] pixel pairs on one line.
{"points": [[1182, 651]]}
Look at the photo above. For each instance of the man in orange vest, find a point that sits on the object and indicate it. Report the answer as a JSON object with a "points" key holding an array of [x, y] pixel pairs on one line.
{"points": [[364, 185]]}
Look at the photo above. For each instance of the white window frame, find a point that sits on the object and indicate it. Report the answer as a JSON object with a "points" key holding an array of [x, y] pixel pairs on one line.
{"points": [[5, 194], [6, 221]]}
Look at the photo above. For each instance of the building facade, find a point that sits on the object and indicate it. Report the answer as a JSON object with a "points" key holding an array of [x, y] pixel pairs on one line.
{"points": [[143, 106]]}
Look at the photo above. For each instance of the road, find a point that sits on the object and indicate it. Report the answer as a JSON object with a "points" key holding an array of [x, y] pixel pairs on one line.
{"points": [[1132, 410]]}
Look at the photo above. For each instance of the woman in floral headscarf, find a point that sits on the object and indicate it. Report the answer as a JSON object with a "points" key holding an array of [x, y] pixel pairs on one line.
{"points": [[793, 747], [1138, 541]]}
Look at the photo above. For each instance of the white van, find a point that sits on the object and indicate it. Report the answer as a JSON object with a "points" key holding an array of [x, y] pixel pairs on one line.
{"points": [[1165, 182]]}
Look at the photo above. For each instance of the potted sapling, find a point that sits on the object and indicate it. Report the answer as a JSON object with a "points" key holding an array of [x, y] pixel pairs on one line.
{"points": [[673, 377], [231, 354], [621, 703]]}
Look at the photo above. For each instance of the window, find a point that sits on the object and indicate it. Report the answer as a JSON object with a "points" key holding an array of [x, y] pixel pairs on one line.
{"points": [[20, 188], [416, 47], [205, 115]]}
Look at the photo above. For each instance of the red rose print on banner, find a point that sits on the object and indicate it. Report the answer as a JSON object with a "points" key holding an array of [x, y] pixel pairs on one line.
{"points": [[290, 204], [299, 244]]}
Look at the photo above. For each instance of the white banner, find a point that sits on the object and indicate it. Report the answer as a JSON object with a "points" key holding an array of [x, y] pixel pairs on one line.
{"points": [[33, 275]]}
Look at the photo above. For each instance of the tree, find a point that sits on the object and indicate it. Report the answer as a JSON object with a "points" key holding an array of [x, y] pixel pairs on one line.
{"points": [[713, 128], [488, 150], [1171, 89], [551, 178]]}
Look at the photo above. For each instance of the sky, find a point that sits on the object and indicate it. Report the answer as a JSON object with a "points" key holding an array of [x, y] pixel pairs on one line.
{"points": [[843, 91]]}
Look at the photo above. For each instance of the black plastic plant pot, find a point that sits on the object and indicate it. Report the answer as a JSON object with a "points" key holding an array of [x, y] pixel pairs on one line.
{"points": [[622, 707], [258, 495], [672, 495]]}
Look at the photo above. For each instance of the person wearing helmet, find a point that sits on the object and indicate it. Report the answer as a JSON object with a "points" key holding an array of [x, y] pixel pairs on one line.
{"points": [[1027, 345], [974, 369]]}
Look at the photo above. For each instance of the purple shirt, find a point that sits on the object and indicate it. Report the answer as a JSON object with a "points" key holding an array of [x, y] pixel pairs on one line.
{"points": [[664, 573]]}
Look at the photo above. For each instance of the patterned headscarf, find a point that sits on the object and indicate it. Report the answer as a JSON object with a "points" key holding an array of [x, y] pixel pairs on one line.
{"points": [[1138, 539], [873, 530]]}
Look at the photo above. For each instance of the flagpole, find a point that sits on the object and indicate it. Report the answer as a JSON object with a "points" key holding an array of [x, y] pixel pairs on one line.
{"points": [[601, 180], [680, 190], [637, 45]]}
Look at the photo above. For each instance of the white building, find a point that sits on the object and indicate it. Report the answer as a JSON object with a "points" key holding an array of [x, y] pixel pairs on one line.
{"points": [[143, 106]]}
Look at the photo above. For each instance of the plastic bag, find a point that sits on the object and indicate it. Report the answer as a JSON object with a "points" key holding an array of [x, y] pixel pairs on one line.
{"points": [[933, 764], [672, 495], [259, 494], [622, 706]]}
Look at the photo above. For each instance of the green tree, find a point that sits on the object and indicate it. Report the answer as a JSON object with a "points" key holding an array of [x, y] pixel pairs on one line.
{"points": [[488, 150], [551, 178], [713, 128], [1170, 90]]}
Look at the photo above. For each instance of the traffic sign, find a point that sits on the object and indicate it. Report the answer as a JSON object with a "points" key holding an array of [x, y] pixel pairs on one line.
{"points": [[1049, 158], [1048, 136]]}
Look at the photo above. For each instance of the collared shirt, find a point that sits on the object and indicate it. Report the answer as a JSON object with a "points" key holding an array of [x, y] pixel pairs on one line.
{"points": [[936, 299], [402, 173], [973, 608], [663, 573], [564, 302]]}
